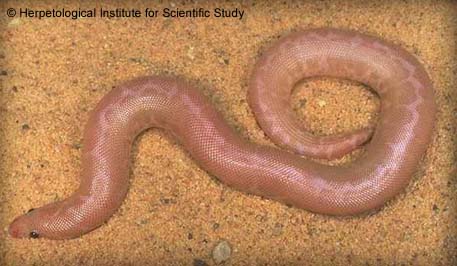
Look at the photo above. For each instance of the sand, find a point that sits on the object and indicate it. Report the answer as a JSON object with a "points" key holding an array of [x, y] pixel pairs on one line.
{"points": [[53, 71]]}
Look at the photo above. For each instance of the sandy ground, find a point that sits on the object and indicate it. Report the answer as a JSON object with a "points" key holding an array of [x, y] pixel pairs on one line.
{"points": [[53, 71]]}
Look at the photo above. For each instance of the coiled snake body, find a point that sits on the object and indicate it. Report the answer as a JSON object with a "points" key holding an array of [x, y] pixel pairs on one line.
{"points": [[403, 131]]}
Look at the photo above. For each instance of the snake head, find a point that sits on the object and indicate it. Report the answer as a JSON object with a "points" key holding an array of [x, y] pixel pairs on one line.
{"points": [[24, 226], [34, 223]]}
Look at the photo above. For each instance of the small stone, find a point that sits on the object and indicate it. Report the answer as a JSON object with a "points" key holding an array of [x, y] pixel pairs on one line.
{"points": [[14, 88], [141, 222], [167, 201], [3, 73], [215, 226], [190, 236], [190, 53], [222, 252], [25, 127], [321, 103], [199, 262], [137, 60], [76, 146]]}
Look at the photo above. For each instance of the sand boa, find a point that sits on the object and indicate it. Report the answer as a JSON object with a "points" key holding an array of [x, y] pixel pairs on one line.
{"points": [[397, 144]]}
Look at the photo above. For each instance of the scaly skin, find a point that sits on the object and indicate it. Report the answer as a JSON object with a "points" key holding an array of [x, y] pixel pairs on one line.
{"points": [[400, 139]]}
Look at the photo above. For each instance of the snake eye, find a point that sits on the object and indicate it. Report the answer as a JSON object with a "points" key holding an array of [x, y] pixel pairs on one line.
{"points": [[34, 234], [30, 210]]}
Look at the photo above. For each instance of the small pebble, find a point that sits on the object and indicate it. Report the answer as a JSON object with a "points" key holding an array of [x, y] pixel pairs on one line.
{"points": [[25, 127], [215, 226], [199, 262], [190, 53], [76, 146], [167, 201], [321, 103], [225, 61], [141, 222], [221, 252]]}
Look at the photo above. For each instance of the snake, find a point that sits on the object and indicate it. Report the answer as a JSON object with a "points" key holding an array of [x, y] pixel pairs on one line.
{"points": [[286, 172]]}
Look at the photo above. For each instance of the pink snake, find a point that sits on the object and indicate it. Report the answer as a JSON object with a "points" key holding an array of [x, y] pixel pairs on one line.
{"points": [[403, 131]]}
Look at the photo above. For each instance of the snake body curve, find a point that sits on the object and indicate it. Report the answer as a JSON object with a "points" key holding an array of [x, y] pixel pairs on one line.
{"points": [[397, 144]]}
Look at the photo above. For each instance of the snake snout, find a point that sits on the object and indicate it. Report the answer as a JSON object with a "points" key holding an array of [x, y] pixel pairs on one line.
{"points": [[19, 227]]}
